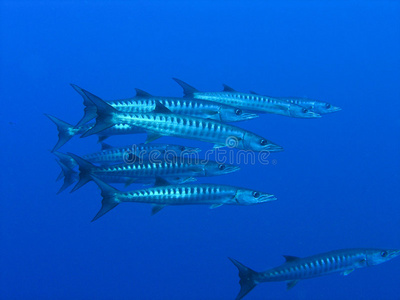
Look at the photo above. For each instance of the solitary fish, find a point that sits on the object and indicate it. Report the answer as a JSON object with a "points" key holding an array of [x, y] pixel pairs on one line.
{"points": [[296, 268], [162, 122], [319, 107], [187, 194], [178, 167], [144, 102], [249, 102], [67, 131]]}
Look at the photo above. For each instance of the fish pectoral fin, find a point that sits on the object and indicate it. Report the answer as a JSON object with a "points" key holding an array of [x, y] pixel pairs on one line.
{"points": [[218, 146], [156, 208], [290, 258], [347, 272], [152, 136], [215, 206], [291, 284], [130, 181], [161, 182]]}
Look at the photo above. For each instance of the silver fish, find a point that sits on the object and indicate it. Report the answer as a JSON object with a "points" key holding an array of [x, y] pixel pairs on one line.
{"points": [[178, 167], [193, 194], [295, 268], [249, 102], [145, 103], [163, 123]]}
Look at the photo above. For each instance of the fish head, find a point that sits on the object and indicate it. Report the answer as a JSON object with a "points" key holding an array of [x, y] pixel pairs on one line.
{"points": [[378, 256], [249, 197], [178, 150], [325, 108], [298, 111], [233, 114], [212, 168], [257, 143]]}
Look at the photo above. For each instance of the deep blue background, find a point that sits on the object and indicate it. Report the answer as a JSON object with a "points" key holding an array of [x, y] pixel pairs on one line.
{"points": [[337, 180]]}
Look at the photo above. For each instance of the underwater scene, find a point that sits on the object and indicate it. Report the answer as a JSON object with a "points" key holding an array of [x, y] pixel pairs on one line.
{"points": [[200, 149]]}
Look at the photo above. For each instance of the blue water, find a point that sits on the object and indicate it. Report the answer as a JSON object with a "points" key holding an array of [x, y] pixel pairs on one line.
{"points": [[337, 180]]}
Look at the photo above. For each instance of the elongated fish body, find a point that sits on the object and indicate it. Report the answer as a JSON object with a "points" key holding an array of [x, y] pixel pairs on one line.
{"points": [[161, 196], [251, 102], [164, 123], [146, 103], [294, 269], [67, 131], [178, 167], [113, 155]]}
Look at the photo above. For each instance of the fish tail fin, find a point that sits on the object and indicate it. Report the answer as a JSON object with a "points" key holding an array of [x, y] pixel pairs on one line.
{"points": [[90, 109], [247, 278], [70, 176], [85, 170], [188, 90], [109, 200], [64, 131], [104, 112]]}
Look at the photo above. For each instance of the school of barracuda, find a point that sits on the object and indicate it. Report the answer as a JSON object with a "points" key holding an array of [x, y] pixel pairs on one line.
{"points": [[201, 116]]}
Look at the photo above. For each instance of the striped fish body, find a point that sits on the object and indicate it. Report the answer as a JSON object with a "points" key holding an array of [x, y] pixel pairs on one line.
{"points": [[181, 195], [151, 169], [316, 265], [166, 124]]}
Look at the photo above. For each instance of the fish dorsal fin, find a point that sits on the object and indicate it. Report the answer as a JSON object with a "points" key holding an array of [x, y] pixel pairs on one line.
{"points": [[102, 138], [156, 208], [227, 88], [254, 93], [347, 272], [105, 146], [161, 182], [161, 108], [188, 90], [291, 284], [290, 258], [142, 94]]}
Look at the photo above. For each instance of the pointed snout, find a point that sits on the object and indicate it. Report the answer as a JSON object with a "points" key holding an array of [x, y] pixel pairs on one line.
{"points": [[230, 169], [267, 198], [335, 109], [273, 148]]}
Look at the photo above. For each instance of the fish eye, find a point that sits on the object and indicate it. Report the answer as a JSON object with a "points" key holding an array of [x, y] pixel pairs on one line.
{"points": [[182, 148], [263, 142], [221, 167], [238, 112], [256, 194], [384, 253], [328, 105], [304, 110]]}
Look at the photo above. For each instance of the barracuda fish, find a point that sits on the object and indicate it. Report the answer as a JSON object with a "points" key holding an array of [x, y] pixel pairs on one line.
{"points": [[67, 131], [178, 167], [145, 103], [164, 123], [112, 155], [70, 176], [187, 194], [296, 268], [316, 106], [250, 102]]}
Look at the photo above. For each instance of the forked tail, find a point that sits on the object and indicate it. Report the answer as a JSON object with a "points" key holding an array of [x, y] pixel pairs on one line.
{"points": [[104, 113], [70, 176], [109, 198], [85, 171], [90, 108], [65, 131], [247, 279]]}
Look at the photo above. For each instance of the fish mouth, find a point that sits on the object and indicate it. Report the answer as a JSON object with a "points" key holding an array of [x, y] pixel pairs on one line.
{"points": [[248, 116], [334, 109], [394, 253], [267, 198], [273, 148]]}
